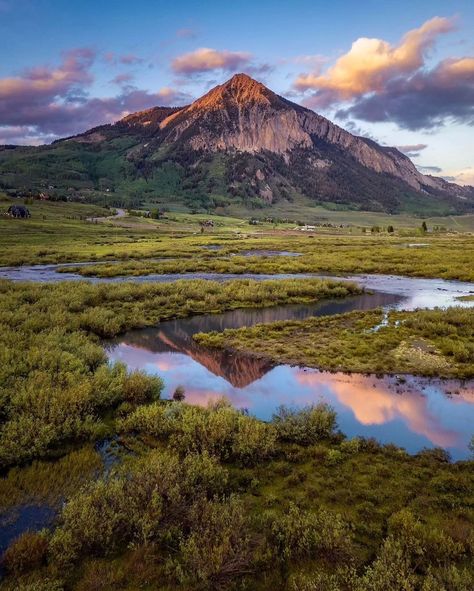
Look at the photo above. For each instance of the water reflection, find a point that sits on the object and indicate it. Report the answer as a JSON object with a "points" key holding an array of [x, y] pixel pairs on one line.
{"points": [[419, 413], [175, 336], [414, 414]]}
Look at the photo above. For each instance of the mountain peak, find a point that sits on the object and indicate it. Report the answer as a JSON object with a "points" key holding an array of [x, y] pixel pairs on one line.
{"points": [[240, 90], [243, 81], [242, 78]]}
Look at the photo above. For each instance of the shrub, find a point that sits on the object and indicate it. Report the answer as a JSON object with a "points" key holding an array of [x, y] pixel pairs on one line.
{"points": [[219, 430], [423, 544], [35, 584], [138, 506], [151, 420], [138, 387], [342, 579], [450, 578], [334, 457], [350, 446], [303, 534], [26, 553], [390, 571], [306, 426], [220, 547]]}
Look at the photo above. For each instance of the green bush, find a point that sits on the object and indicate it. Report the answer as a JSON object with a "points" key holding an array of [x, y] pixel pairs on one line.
{"points": [[220, 548], [338, 579], [219, 430], [306, 426], [138, 387], [302, 534], [138, 506], [391, 571]]}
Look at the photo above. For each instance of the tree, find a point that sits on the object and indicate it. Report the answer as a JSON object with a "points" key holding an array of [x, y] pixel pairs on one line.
{"points": [[390, 229], [178, 394]]}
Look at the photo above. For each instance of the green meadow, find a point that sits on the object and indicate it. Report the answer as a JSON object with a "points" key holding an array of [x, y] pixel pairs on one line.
{"points": [[202, 498]]}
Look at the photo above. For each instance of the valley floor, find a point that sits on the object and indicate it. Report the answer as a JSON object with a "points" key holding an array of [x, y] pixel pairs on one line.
{"points": [[137, 492]]}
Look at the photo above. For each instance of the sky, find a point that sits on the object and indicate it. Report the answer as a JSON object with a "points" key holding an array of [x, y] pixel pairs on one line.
{"points": [[400, 72]]}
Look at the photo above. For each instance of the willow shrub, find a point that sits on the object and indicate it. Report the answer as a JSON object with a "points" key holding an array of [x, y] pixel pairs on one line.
{"points": [[300, 534], [25, 553], [52, 407], [305, 426], [219, 430], [226, 432], [220, 547], [144, 504]]}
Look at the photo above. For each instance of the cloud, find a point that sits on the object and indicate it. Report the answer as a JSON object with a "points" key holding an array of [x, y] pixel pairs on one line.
{"points": [[43, 82], [376, 81], [412, 150], [464, 176], [353, 128], [384, 406], [425, 100], [408, 148], [186, 33], [260, 69], [370, 63], [206, 60], [23, 134], [122, 79], [44, 103], [129, 59]]}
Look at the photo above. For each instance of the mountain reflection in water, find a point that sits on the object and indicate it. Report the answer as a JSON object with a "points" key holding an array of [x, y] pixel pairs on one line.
{"points": [[415, 414]]}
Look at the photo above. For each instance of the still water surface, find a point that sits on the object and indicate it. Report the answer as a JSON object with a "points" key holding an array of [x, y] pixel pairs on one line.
{"points": [[411, 412]]}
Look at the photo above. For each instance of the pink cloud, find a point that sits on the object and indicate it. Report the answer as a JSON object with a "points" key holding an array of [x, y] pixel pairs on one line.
{"points": [[374, 404], [122, 79], [370, 63], [206, 60], [410, 148], [128, 59], [377, 81], [44, 103]]}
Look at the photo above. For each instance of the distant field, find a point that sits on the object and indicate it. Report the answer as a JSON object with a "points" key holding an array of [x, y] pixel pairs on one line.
{"points": [[313, 214], [61, 232]]}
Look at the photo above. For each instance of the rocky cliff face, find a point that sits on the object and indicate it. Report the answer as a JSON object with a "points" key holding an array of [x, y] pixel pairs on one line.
{"points": [[244, 115]]}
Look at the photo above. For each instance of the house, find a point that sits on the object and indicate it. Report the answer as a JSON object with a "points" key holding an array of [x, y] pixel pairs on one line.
{"points": [[18, 211]]}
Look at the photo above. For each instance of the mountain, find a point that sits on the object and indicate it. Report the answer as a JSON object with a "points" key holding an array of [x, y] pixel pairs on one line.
{"points": [[238, 369], [239, 144]]}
